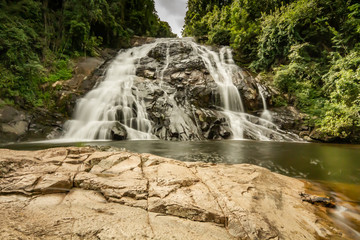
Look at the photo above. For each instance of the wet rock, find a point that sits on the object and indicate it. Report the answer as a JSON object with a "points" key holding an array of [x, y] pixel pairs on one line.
{"points": [[179, 76], [138, 41], [288, 118], [44, 124], [83, 69], [55, 133], [189, 87], [323, 201], [149, 74], [82, 193], [13, 124], [88, 72], [118, 132]]}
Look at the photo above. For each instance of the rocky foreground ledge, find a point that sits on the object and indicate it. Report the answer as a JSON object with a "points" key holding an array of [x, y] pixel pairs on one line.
{"points": [[82, 193]]}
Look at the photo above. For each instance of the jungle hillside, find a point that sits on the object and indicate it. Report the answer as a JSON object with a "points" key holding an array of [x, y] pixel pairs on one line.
{"points": [[307, 49], [38, 39]]}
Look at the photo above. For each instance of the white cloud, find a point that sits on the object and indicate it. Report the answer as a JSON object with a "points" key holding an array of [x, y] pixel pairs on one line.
{"points": [[173, 12]]}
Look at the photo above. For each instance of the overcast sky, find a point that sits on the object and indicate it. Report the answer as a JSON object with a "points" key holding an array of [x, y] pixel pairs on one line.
{"points": [[173, 12]]}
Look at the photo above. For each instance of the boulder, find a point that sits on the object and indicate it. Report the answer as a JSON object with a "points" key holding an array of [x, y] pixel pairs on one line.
{"points": [[13, 124], [81, 193], [44, 124], [118, 132], [288, 118]]}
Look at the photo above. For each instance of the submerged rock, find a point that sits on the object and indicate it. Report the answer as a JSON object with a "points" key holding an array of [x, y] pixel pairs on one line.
{"points": [[81, 193]]}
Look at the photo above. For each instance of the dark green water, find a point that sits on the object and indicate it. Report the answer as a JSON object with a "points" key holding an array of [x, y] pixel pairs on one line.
{"points": [[313, 161]]}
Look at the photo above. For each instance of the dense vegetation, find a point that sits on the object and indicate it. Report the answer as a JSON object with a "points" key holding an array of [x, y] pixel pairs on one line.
{"points": [[38, 37], [308, 49]]}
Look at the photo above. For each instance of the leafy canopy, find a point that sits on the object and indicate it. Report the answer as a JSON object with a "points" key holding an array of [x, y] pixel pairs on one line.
{"points": [[38, 37], [310, 47]]}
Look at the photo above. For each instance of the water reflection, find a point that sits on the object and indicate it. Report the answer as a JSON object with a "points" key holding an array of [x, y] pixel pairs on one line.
{"points": [[328, 162]]}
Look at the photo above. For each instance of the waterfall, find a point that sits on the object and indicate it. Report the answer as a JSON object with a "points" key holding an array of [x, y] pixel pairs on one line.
{"points": [[266, 114], [120, 107], [222, 70], [114, 103]]}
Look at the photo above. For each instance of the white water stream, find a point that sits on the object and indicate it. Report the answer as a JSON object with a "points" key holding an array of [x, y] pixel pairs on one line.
{"points": [[113, 100], [222, 68], [266, 114], [116, 100]]}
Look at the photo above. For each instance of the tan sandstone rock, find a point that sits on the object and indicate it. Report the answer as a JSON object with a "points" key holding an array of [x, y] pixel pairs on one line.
{"points": [[81, 193]]}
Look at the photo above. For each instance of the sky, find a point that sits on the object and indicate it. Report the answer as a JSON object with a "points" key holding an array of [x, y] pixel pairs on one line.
{"points": [[173, 12]]}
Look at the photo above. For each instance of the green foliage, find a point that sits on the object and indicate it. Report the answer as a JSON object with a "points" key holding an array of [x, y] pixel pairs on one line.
{"points": [[164, 30], [238, 20], [279, 101], [282, 29], [62, 71], [37, 38], [326, 84], [311, 47], [342, 88], [220, 36]]}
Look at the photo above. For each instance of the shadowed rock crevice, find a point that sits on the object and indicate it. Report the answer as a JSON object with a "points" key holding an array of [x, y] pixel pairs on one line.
{"points": [[80, 192], [142, 161], [222, 208]]}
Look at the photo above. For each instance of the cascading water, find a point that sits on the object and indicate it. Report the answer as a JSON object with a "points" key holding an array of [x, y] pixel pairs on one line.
{"points": [[114, 101], [266, 114], [125, 104], [222, 72], [222, 68]]}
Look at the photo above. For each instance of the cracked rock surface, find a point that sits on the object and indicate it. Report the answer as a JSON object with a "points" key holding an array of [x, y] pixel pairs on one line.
{"points": [[81, 193]]}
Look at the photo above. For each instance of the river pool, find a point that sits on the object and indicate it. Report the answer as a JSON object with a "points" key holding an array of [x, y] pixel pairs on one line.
{"points": [[312, 161]]}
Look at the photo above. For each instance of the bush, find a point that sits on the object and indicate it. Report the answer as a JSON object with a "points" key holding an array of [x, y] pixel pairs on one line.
{"points": [[38, 37], [311, 47]]}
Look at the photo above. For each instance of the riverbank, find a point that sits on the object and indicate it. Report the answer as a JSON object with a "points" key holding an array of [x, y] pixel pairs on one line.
{"points": [[86, 193]]}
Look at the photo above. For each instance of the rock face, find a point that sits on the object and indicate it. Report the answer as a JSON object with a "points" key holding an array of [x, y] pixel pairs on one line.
{"points": [[81, 193], [175, 89], [181, 97], [13, 124], [17, 125], [87, 72]]}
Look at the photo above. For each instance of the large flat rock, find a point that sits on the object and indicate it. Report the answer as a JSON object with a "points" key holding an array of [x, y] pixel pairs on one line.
{"points": [[81, 193]]}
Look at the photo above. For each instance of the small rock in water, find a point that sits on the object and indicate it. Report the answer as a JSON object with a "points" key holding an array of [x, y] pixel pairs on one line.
{"points": [[118, 132], [323, 201]]}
